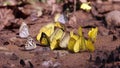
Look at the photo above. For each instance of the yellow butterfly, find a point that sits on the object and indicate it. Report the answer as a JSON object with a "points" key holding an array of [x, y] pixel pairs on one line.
{"points": [[73, 35], [82, 44], [80, 31], [44, 40], [54, 44], [57, 34], [47, 29], [89, 45], [64, 41], [76, 47], [93, 34], [59, 21], [71, 44], [55, 37], [58, 25], [85, 6], [72, 41]]}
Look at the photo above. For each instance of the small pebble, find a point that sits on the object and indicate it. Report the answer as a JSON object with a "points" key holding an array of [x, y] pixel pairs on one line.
{"points": [[8, 53], [14, 57], [57, 65], [47, 64], [61, 53]]}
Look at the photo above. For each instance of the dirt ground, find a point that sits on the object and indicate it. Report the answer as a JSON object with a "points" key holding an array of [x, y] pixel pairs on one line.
{"points": [[10, 44]]}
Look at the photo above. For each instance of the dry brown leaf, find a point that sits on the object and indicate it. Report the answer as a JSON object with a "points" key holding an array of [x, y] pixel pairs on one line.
{"points": [[56, 8], [73, 21], [5, 17]]}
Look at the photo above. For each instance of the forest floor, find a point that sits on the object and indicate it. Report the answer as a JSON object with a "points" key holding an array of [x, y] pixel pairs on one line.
{"points": [[11, 54]]}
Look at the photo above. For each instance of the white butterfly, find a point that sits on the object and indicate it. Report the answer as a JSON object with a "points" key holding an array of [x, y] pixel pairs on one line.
{"points": [[30, 44], [62, 19], [23, 31]]}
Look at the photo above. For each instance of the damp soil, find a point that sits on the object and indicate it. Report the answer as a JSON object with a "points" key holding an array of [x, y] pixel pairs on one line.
{"points": [[11, 55]]}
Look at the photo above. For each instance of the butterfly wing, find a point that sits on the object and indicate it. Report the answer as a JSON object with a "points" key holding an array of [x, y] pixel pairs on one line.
{"points": [[58, 25], [72, 41], [54, 44], [89, 45], [47, 29], [81, 40], [23, 31], [80, 31], [30, 44], [64, 41], [44, 40], [82, 44], [57, 34], [85, 6], [93, 34], [77, 46], [71, 44], [55, 37], [73, 35], [57, 17], [59, 20], [62, 19]]}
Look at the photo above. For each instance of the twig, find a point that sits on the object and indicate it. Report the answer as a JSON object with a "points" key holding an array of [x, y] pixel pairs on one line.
{"points": [[75, 5]]}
